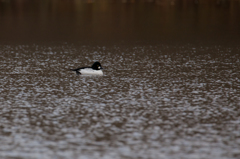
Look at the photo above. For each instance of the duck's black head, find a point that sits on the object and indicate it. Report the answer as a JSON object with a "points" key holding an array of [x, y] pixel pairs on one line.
{"points": [[97, 66]]}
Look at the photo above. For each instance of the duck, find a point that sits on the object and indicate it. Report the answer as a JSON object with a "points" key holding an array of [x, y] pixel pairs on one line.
{"points": [[96, 69]]}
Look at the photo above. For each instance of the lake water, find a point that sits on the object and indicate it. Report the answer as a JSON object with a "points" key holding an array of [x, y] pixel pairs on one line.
{"points": [[172, 97]]}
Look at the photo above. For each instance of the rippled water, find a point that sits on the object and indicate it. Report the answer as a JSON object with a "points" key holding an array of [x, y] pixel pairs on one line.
{"points": [[153, 102]]}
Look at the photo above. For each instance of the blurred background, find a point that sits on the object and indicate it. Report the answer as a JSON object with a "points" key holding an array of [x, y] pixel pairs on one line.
{"points": [[113, 21]]}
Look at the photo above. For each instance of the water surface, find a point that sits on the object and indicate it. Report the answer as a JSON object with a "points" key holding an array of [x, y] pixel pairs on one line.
{"points": [[170, 88], [152, 102]]}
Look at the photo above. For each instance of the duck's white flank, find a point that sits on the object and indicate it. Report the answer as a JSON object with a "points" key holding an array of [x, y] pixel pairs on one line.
{"points": [[90, 71]]}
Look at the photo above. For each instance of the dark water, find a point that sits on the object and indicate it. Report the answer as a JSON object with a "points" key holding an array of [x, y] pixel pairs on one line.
{"points": [[110, 21], [173, 98]]}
